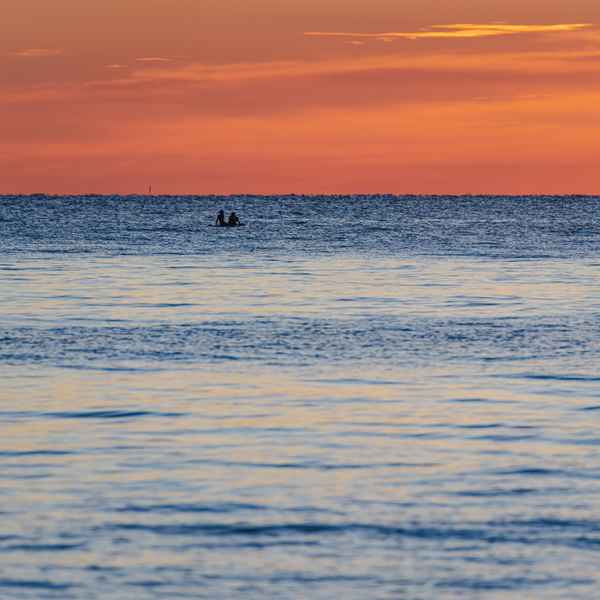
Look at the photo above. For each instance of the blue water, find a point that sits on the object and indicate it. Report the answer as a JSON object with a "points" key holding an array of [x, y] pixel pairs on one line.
{"points": [[349, 397]]}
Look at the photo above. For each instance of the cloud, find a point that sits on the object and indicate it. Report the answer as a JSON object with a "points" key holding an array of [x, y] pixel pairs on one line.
{"points": [[37, 52], [540, 62], [458, 30], [264, 89], [153, 59]]}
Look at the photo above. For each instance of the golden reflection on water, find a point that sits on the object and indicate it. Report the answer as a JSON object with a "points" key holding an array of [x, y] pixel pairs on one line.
{"points": [[276, 416], [178, 289]]}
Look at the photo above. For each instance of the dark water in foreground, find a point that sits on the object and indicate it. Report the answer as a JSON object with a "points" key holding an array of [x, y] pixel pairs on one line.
{"points": [[347, 398]]}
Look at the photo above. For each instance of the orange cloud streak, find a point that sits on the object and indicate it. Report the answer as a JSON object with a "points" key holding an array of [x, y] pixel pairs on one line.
{"points": [[459, 30], [37, 52]]}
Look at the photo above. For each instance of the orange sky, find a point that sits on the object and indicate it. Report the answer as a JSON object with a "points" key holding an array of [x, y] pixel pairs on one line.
{"points": [[305, 96]]}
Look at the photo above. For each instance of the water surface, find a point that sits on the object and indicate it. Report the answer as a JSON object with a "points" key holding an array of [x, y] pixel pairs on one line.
{"points": [[383, 397]]}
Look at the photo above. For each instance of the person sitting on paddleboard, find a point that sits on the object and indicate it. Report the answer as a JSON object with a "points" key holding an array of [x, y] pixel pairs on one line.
{"points": [[233, 220], [220, 219]]}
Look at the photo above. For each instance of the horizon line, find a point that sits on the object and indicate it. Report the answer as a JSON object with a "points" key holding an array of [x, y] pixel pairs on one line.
{"points": [[303, 195]]}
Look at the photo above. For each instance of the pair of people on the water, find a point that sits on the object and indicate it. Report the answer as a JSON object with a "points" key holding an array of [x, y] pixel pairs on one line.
{"points": [[232, 221]]}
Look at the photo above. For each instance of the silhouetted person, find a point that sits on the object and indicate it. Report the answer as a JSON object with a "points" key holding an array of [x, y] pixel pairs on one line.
{"points": [[233, 220], [220, 218]]}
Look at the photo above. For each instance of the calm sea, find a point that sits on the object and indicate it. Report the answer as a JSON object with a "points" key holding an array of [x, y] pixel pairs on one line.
{"points": [[349, 397]]}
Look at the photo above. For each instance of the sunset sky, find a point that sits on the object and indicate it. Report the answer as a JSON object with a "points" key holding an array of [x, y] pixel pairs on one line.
{"points": [[305, 96]]}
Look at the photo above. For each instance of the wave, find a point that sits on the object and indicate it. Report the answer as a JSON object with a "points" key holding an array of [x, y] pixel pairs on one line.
{"points": [[540, 531]]}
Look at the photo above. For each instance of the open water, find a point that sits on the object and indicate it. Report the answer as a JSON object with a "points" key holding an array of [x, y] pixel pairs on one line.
{"points": [[349, 397]]}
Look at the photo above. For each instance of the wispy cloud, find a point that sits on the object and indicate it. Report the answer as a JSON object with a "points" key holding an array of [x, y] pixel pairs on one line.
{"points": [[549, 62], [457, 30], [356, 79], [37, 52], [153, 59]]}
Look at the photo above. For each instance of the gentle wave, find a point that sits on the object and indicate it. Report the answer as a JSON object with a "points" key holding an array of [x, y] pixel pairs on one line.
{"points": [[542, 531]]}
